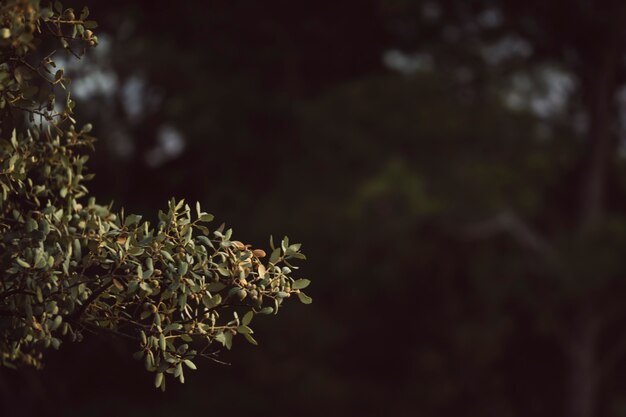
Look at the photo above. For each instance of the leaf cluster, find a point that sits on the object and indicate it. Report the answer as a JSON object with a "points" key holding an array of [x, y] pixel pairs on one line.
{"points": [[69, 265]]}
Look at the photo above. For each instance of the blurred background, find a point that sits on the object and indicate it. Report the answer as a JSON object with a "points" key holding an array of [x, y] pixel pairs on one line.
{"points": [[455, 170]]}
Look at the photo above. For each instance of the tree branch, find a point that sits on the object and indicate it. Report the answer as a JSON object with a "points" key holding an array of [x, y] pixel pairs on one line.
{"points": [[509, 223], [95, 294]]}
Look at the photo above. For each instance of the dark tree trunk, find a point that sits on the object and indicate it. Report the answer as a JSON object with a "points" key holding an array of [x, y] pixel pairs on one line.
{"points": [[583, 366], [600, 88], [602, 63]]}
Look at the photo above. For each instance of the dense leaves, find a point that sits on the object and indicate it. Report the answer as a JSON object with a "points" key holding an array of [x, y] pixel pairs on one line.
{"points": [[70, 265]]}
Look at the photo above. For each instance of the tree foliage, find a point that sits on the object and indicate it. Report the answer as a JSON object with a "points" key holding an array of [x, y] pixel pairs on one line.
{"points": [[70, 265]]}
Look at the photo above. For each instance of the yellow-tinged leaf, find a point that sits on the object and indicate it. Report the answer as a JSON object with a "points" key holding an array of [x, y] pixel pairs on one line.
{"points": [[259, 253], [262, 271], [36, 325]]}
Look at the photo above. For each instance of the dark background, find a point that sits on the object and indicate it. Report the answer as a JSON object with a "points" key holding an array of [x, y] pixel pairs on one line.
{"points": [[455, 170]]}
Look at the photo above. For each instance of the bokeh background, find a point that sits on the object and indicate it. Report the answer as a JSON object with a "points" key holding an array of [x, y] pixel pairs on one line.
{"points": [[455, 170]]}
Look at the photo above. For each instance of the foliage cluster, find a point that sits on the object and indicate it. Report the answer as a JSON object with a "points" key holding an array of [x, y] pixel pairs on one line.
{"points": [[70, 265]]}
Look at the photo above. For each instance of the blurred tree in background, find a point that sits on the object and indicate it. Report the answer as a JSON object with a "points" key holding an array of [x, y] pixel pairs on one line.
{"points": [[465, 158]]}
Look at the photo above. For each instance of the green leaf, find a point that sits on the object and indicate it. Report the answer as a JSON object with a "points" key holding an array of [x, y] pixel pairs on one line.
{"points": [[305, 299], [22, 263], [250, 339], [211, 302], [158, 379], [172, 326], [178, 371], [228, 340], [77, 252], [244, 330], [247, 318], [55, 343], [275, 255], [167, 255], [84, 13], [183, 267], [40, 261], [135, 251], [300, 284], [56, 322], [206, 217], [267, 310], [149, 361], [220, 338], [131, 220], [205, 240]]}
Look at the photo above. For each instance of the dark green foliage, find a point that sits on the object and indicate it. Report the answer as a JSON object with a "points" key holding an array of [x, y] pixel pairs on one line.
{"points": [[70, 265]]}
